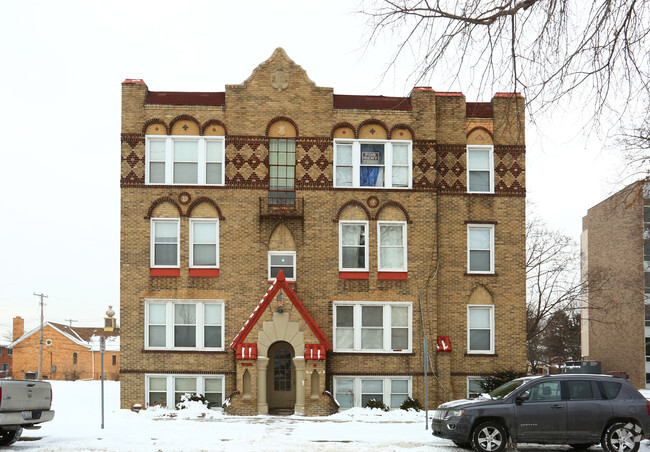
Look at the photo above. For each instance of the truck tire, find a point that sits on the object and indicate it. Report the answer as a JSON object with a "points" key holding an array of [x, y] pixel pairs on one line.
{"points": [[489, 437], [8, 437], [623, 437]]}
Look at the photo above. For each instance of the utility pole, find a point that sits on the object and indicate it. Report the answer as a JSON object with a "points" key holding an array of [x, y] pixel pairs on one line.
{"points": [[40, 343], [70, 320]]}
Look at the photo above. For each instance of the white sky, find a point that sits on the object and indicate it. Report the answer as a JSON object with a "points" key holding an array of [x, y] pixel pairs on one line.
{"points": [[60, 98]]}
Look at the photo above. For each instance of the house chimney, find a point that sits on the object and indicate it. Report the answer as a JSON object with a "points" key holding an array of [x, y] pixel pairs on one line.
{"points": [[19, 327]]}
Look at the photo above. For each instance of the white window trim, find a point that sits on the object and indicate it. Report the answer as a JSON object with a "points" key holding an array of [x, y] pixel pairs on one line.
{"points": [[386, 387], [169, 157], [492, 247], [404, 242], [152, 240], [282, 253], [200, 385], [169, 323], [366, 246], [203, 220], [492, 346], [483, 147], [388, 162], [386, 327]]}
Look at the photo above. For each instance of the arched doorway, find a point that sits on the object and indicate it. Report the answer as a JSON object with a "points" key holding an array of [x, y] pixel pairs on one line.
{"points": [[281, 380]]}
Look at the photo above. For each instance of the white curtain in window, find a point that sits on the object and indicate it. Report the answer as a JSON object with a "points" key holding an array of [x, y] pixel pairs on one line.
{"points": [[353, 246], [204, 251], [391, 247], [185, 325]]}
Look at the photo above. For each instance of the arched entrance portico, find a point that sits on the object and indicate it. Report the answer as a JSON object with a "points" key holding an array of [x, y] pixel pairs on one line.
{"points": [[281, 378]]}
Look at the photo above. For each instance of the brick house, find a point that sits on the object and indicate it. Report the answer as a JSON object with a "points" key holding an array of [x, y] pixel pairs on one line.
{"points": [[283, 246], [5, 360], [69, 353], [616, 266]]}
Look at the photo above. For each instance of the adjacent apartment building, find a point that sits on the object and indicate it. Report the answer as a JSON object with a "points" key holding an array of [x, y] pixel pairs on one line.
{"points": [[288, 249], [616, 267]]}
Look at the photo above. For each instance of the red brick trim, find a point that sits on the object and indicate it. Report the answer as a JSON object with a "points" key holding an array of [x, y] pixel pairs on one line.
{"points": [[352, 202], [213, 122], [155, 121], [174, 372], [201, 200], [354, 275], [394, 204], [184, 118], [393, 276], [480, 222], [165, 272], [204, 272], [490, 275], [186, 352], [132, 139], [481, 355], [401, 126], [481, 128], [159, 201], [344, 124], [281, 118]]}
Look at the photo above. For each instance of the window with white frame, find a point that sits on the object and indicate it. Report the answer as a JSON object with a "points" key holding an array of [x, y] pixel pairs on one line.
{"points": [[164, 242], [392, 246], [480, 248], [372, 163], [480, 169], [474, 388], [184, 324], [372, 327], [285, 261], [184, 160], [351, 391], [204, 242], [353, 246], [163, 389], [480, 329]]}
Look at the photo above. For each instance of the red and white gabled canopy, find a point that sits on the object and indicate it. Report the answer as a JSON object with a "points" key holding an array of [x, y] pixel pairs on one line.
{"points": [[279, 283]]}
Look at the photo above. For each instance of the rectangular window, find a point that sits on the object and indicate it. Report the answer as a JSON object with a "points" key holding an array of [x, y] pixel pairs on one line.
{"points": [[474, 388], [184, 324], [351, 391], [285, 261], [114, 360], [163, 388], [480, 248], [204, 243], [372, 327], [164, 242], [282, 172], [373, 163], [480, 169], [353, 246], [184, 160], [480, 329], [392, 246]]}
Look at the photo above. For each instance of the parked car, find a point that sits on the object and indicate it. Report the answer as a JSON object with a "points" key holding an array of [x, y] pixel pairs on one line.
{"points": [[23, 404], [578, 410]]}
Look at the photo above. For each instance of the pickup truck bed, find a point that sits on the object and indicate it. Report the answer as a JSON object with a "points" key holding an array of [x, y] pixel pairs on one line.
{"points": [[23, 404]]}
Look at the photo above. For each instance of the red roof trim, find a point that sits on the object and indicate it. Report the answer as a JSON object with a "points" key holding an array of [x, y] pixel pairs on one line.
{"points": [[279, 283], [449, 94], [133, 81], [347, 101], [185, 98], [479, 110]]}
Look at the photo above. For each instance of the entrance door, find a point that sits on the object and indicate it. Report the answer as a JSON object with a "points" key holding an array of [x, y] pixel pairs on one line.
{"points": [[281, 380]]}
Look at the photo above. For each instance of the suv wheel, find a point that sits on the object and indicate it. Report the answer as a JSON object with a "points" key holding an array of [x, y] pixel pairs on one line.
{"points": [[623, 437], [489, 437]]}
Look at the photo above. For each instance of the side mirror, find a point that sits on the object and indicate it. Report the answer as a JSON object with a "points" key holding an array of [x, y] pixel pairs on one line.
{"points": [[522, 398]]}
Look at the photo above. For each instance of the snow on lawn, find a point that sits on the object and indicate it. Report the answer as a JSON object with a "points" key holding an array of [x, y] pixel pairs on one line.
{"points": [[77, 427]]}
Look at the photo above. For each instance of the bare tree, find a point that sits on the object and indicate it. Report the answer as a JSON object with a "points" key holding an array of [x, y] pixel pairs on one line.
{"points": [[546, 49]]}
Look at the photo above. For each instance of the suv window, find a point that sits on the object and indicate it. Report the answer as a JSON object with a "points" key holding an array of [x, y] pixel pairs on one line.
{"points": [[612, 389], [546, 391], [580, 390]]}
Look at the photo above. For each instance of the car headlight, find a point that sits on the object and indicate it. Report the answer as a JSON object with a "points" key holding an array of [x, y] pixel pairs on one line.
{"points": [[454, 413]]}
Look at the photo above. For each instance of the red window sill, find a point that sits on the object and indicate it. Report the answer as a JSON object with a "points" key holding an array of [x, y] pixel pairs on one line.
{"points": [[354, 275], [204, 272], [165, 272], [270, 281], [392, 275]]}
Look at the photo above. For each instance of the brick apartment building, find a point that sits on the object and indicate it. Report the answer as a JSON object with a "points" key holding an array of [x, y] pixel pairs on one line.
{"points": [[69, 353], [616, 266], [5, 360], [384, 219]]}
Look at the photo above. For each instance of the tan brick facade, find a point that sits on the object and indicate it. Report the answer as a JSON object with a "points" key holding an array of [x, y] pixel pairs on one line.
{"points": [[613, 328], [436, 211]]}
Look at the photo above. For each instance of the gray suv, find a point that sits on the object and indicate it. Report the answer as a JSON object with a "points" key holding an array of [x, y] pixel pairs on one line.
{"points": [[578, 410]]}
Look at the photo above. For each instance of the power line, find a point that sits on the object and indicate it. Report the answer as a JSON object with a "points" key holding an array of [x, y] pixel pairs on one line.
{"points": [[40, 343]]}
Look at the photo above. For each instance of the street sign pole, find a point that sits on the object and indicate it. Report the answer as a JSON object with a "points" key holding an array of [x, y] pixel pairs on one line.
{"points": [[102, 350]]}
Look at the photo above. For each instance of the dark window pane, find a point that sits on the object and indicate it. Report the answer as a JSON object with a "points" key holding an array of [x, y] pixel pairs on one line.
{"points": [[612, 389], [184, 336]]}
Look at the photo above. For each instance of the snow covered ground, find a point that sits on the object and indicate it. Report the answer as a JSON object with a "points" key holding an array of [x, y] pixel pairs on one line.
{"points": [[77, 427]]}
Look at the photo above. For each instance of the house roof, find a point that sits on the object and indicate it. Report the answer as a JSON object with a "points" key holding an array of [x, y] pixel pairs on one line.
{"points": [[479, 110], [279, 283], [80, 335], [186, 98]]}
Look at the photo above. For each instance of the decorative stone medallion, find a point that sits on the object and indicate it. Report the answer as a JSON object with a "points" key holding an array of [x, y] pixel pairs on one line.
{"points": [[184, 198], [280, 79], [372, 201]]}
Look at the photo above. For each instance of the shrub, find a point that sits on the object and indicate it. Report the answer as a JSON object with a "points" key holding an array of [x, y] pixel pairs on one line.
{"points": [[372, 403], [503, 376], [187, 398], [411, 404]]}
